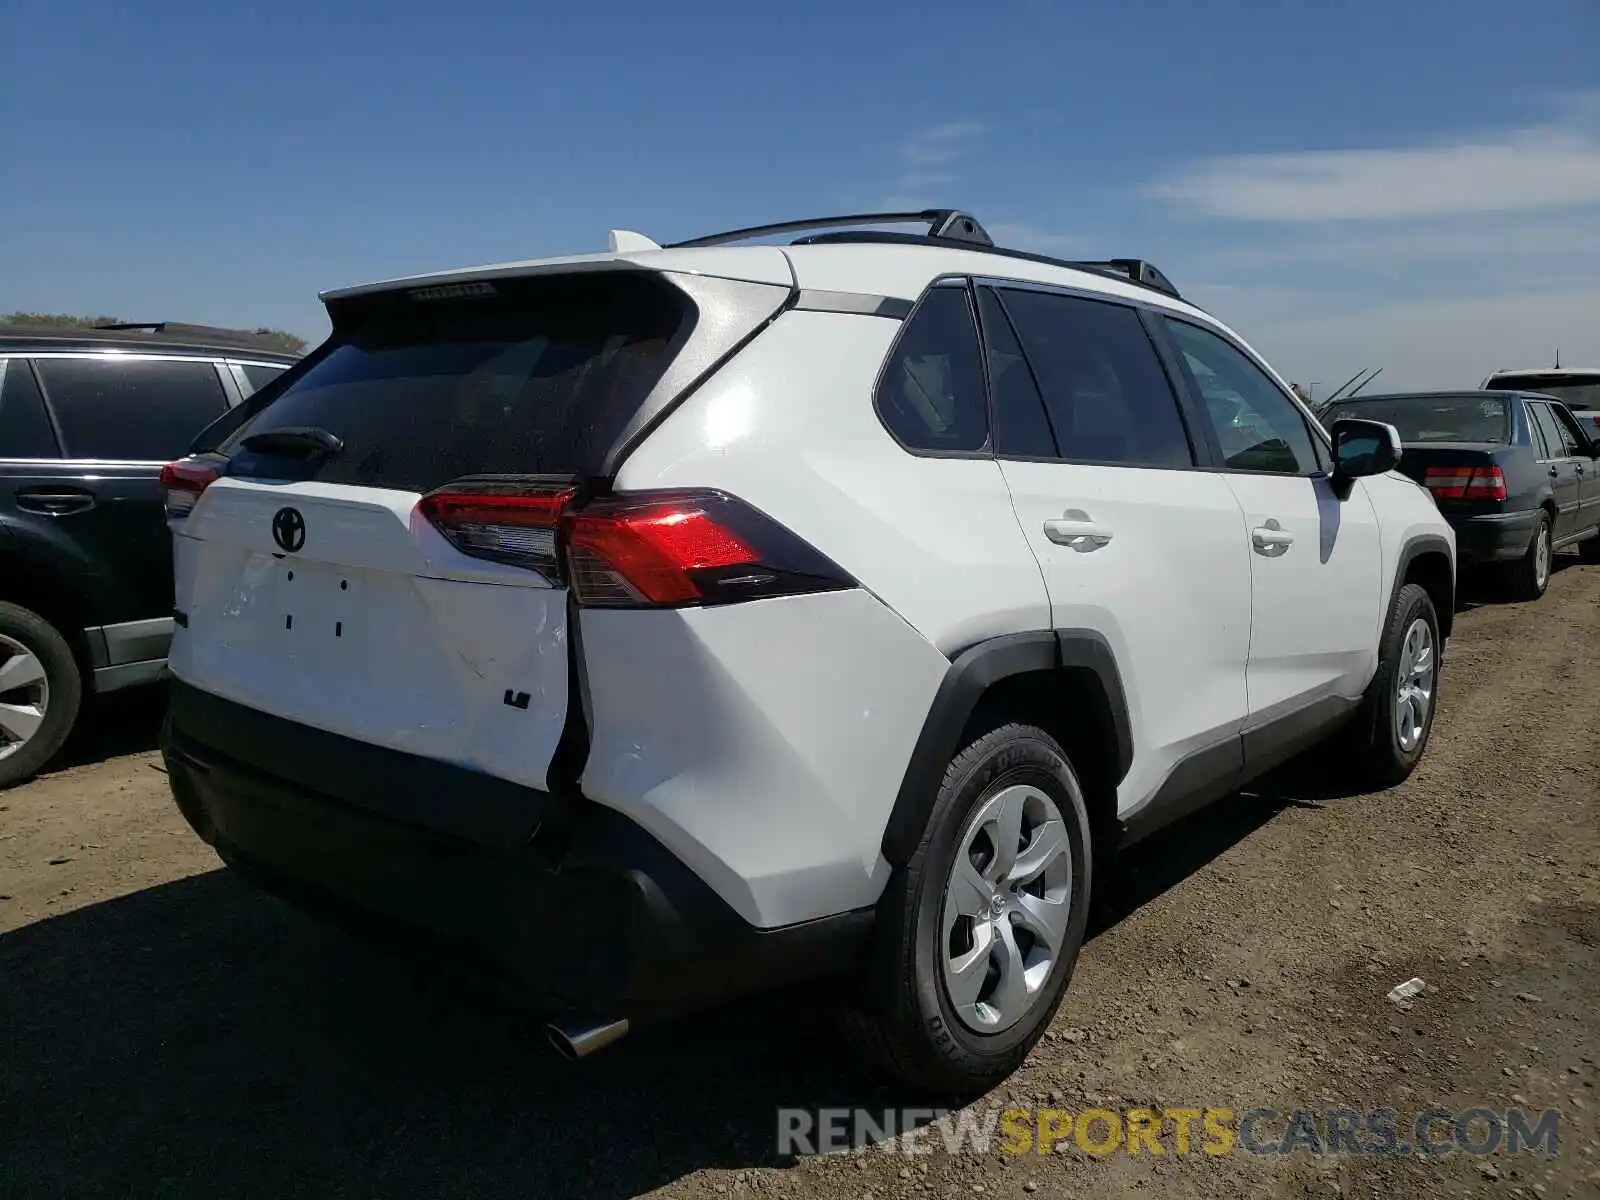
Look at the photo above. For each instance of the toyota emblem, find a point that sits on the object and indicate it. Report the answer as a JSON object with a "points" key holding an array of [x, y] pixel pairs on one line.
{"points": [[289, 529]]}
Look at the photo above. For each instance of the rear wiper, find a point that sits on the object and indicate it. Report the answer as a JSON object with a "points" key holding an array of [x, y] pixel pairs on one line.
{"points": [[294, 441]]}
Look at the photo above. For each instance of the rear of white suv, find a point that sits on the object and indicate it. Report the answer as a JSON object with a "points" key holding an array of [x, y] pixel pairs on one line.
{"points": [[670, 623], [398, 642]]}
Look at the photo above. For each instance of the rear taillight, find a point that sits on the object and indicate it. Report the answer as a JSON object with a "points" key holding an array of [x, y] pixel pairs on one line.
{"points": [[184, 480], [639, 550], [1466, 482], [511, 521]]}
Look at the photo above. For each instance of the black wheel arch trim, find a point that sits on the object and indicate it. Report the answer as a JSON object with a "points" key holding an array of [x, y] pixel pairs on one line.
{"points": [[970, 675], [1415, 548]]}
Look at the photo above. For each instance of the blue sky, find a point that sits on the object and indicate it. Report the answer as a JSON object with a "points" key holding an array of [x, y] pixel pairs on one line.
{"points": [[1413, 184]]}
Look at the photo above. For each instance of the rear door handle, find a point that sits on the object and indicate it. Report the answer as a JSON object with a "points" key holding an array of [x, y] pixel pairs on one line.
{"points": [[54, 502], [1077, 532], [1271, 539]]}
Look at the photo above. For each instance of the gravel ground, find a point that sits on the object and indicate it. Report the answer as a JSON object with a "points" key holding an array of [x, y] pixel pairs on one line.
{"points": [[167, 1031]]}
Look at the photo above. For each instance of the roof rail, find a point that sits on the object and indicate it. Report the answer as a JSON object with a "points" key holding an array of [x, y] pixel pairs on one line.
{"points": [[1136, 269], [1130, 269], [947, 224], [949, 227]]}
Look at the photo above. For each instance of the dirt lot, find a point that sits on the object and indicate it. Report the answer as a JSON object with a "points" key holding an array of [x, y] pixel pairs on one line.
{"points": [[169, 1032]]}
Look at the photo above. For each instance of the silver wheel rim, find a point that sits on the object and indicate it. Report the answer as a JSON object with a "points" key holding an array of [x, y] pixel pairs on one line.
{"points": [[1007, 908], [24, 695], [1414, 694], [1541, 557]]}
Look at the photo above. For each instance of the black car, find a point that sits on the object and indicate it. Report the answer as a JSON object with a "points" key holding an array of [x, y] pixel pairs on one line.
{"points": [[88, 417], [1515, 473]]}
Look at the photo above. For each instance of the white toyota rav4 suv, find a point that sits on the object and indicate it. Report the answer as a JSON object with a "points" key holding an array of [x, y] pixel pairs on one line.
{"points": [[665, 623]]}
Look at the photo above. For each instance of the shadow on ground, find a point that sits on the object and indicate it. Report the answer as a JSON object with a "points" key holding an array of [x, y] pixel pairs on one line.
{"points": [[201, 1039], [126, 722]]}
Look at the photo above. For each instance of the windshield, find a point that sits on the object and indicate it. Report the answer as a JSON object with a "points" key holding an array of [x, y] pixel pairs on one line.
{"points": [[1575, 391], [1469, 418]]}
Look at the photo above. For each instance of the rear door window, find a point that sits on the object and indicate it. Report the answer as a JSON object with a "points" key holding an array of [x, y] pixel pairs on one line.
{"points": [[24, 426], [542, 376], [1541, 448], [1105, 392], [115, 407], [1021, 428], [1551, 428]]}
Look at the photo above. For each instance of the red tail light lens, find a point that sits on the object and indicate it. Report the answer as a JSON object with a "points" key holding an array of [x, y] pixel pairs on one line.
{"points": [[639, 550], [184, 480], [512, 521], [1467, 482], [667, 549]]}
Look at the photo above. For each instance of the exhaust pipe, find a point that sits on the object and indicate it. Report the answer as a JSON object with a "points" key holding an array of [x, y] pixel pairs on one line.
{"points": [[578, 1038]]}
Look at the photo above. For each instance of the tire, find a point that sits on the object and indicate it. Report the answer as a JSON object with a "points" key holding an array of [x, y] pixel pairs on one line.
{"points": [[25, 636], [1589, 550], [1380, 754], [908, 1022], [1529, 576]]}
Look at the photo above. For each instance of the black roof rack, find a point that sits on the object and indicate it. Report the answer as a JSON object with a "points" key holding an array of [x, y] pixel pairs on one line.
{"points": [[948, 224], [1136, 270], [948, 227]]}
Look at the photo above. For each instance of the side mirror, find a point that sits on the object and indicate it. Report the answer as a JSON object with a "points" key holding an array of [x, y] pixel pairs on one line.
{"points": [[1362, 448]]}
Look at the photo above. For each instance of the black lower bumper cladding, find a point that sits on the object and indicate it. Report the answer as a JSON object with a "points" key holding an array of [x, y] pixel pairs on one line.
{"points": [[579, 908]]}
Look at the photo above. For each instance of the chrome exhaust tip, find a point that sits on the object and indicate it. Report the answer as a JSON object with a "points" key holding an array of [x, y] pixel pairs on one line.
{"points": [[574, 1038]]}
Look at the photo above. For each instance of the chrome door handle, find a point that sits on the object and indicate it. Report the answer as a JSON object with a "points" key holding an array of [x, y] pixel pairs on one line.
{"points": [[1271, 539], [1077, 532]]}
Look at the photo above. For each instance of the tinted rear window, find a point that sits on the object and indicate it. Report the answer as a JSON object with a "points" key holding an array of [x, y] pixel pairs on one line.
{"points": [[541, 377], [1575, 391], [1470, 418]]}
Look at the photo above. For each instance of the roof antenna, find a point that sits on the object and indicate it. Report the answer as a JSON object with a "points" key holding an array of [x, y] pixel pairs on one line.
{"points": [[1364, 383], [1558, 358]]}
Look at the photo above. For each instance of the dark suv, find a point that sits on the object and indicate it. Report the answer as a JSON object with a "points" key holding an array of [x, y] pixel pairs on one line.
{"points": [[88, 417]]}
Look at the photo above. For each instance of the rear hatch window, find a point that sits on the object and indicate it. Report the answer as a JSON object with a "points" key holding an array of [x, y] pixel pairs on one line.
{"points": [[538, 376], [1574, 389]]}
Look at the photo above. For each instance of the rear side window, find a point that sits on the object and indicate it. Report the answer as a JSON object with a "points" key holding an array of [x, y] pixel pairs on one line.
{"points": [[24, 428], [931, 396], [1106, 395], [127, 408], [542, 377]]}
